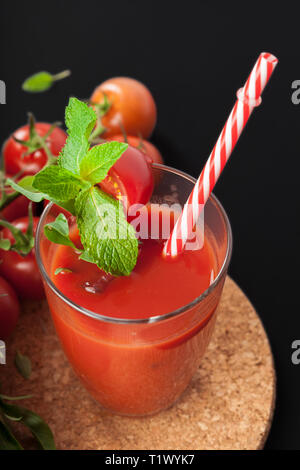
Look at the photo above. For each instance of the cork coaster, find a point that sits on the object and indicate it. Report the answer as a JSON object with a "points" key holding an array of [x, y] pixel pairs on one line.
{"points": [[229, 404]]}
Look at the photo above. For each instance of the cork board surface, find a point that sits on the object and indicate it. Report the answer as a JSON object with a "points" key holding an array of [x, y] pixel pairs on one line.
{"points": [[229, 404]]}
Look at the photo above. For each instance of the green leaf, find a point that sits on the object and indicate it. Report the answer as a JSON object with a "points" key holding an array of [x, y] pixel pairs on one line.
{"points": [[5, 244], [58, 231], [23, 365], [35, 423], [105, 233], [24, 186], [42, 81], [97, 162], [7, 439], [80, 120], [58, 183], [38, 82], [62, 270]]}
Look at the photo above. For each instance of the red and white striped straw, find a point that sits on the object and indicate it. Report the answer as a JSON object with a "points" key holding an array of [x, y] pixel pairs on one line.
{"points": [[248, 98]]}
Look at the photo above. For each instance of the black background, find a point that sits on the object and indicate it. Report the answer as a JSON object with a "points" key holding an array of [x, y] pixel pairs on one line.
{"points": [[193, 56]]}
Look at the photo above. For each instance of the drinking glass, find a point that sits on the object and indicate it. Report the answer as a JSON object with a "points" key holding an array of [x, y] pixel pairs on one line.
{"points": [[140, 366]]}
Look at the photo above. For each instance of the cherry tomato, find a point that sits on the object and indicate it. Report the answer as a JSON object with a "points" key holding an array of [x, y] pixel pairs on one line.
{"points": [[17, 208], [144, 145], [13, 152], [131, 176], [22, 271], [9, 309], [132, 105]]}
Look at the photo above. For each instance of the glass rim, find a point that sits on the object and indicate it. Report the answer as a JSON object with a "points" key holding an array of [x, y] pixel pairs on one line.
{"points": [[154, 318]]}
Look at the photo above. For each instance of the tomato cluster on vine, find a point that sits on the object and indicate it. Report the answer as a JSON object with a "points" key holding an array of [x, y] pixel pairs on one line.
{"points": [[126, 112]]}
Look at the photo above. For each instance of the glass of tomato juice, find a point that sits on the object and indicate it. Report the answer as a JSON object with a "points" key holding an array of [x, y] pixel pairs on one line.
{"points": [[136, 341]]}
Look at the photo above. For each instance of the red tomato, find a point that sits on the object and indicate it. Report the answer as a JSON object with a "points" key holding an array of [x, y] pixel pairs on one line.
{"points": [[9, 309], [131, 176], [144, 145], [17, 208], [13, 152], [132, 105], [22, 271]]}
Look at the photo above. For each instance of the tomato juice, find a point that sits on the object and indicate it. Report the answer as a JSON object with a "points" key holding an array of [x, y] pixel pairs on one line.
{"points": [[136, 341], [155, 287]]}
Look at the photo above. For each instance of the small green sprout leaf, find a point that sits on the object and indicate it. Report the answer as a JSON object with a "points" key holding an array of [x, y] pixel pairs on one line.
{"points": [[42, 81]]}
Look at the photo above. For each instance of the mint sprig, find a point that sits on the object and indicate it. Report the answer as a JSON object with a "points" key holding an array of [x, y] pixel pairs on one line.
{"points": [[95, 164], [59, 183], [108, 239]]}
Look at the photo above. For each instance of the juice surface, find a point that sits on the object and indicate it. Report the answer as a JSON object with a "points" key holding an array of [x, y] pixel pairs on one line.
{"points": [[135, 369], [156, 286]]}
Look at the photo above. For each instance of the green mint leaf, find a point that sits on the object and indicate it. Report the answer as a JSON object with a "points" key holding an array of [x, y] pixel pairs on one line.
{"points": [[7, 439], [58, 231], [24, 186], [62, 270], [97, 162], [38, 82], [105, 234], [80, 120], [42, 81], [5, 244], [58, 183], [34, 422], [23, 365]]}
